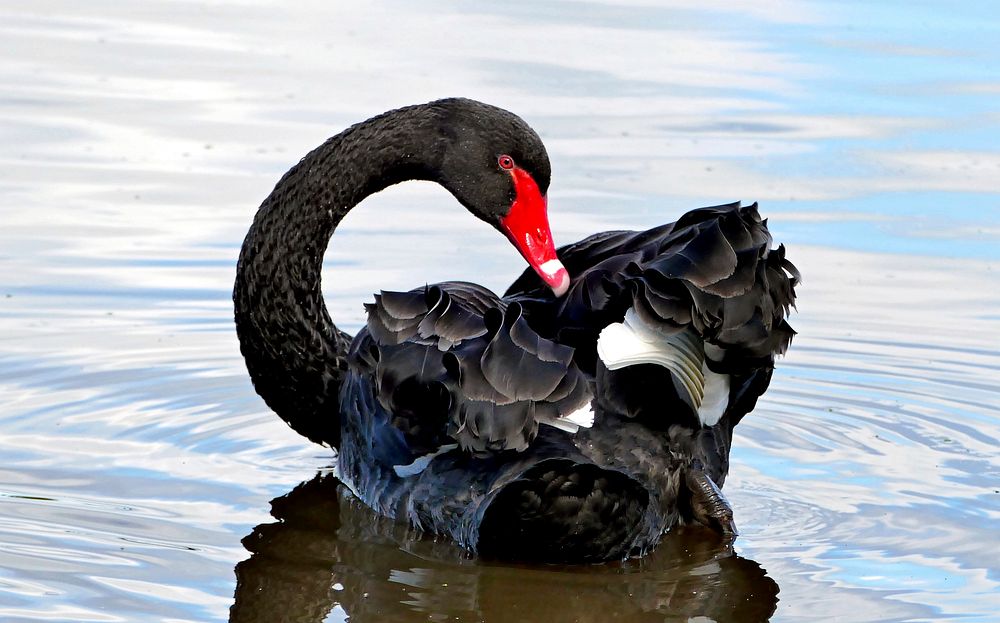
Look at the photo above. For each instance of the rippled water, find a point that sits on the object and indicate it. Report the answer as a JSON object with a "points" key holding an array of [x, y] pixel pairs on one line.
{"points": [[143, 480]]}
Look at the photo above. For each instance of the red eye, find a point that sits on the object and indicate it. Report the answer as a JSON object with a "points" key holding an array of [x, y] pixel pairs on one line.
{"points": [[505, 162]]}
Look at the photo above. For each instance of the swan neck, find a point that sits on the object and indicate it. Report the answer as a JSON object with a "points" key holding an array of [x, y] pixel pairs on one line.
{"points": [[294, 353]]}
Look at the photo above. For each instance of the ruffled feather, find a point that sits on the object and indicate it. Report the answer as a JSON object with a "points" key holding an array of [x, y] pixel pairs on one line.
{"points": [[508, 365], [713, 270], [501, 377]]}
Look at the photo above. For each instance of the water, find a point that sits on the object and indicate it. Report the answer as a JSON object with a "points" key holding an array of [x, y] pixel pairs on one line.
{"points": [[143, 480]]}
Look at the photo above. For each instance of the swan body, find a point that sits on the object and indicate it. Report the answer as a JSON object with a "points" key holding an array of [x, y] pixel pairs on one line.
{"points": [[577, 417]]}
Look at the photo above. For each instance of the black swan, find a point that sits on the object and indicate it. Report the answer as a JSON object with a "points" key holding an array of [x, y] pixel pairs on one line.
{"points": [[576, 418]]}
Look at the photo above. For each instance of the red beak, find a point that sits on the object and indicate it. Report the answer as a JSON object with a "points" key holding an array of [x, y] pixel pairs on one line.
{"points": [[527, 226]]}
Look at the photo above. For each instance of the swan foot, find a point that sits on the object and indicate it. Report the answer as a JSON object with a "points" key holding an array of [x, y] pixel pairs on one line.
{"points": [[709, 506]]}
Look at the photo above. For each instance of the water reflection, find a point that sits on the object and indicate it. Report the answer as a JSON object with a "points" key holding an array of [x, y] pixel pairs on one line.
{"points": [[329, 557]]}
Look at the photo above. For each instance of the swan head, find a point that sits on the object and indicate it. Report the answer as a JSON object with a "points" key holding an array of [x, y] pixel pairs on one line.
{"points": [[497, 167]]}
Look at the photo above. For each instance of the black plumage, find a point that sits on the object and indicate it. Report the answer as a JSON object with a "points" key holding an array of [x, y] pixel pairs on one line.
{"points": [[497, 370], [457, 409]]}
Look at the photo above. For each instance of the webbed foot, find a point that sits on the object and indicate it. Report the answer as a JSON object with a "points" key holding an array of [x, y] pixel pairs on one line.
{"points": [[709, 506]]}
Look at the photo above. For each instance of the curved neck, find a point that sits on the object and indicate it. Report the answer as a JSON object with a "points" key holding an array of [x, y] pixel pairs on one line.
{"points": [[294, 353]]}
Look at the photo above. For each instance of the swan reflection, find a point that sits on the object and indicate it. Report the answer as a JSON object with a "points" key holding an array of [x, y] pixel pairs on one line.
{"points": [[327, 557]]}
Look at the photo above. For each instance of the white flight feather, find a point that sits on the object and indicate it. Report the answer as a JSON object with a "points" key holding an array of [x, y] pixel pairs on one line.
{"points": [[573, 422], [716, 397], [420, 463], [633, 342]]}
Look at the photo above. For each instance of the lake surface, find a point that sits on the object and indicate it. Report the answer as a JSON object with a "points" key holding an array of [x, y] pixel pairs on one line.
{"points": [[143, 480]]}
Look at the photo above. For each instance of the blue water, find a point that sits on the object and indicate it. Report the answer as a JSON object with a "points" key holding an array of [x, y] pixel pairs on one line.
{"points": [[136, 141]]}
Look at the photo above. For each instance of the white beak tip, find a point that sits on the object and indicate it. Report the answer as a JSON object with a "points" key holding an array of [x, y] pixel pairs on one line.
{"points": [[556, 275], [563, 285]]}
